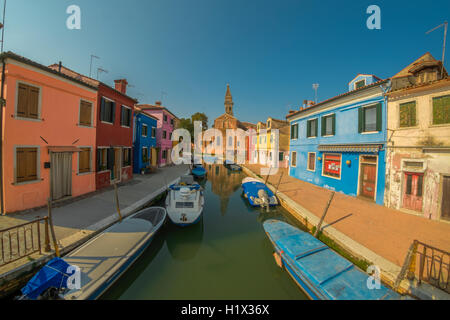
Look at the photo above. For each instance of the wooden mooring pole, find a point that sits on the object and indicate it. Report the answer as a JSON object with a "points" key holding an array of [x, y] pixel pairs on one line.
{"points": [[52, 229], [324, 214], [116, 195], [278, 185]]}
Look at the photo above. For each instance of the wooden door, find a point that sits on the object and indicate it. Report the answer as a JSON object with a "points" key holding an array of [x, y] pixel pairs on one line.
{"points": [[412, 191], [368, 180], [154, 157], [445, 207], [117, 167]]}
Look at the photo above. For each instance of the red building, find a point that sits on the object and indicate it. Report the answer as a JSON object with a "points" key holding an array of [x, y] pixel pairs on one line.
{"points": [[114, 138]]}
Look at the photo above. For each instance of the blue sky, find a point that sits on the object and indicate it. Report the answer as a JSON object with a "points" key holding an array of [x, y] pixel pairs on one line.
{"points": [[271, 52]]}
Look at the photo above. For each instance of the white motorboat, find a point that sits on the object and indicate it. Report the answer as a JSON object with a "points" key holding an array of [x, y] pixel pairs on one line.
{"points": [[185, 201]]}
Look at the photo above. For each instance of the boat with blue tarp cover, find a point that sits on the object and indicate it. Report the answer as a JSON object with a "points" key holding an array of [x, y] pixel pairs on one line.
{"points": [[320, 272], [101, 260], [185, 201], [258, 194], [198, 171]]}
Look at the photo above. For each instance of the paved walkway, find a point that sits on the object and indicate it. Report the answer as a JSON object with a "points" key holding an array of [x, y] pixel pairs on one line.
{"points": [[385, 231], [78, 219]]}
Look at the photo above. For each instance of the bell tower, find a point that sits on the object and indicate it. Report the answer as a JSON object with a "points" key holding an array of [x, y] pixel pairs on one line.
{"points": [[229, 102]]}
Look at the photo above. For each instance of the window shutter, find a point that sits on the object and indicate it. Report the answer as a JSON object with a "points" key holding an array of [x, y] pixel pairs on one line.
{"points": [[22, 98], [102, 109], [317, 126], [323, 126], [110, 160], [99, 159], [113, 111], [308, 129], [360, 120], [122, 116], [379, 117], [33, 103], [334, 124]]}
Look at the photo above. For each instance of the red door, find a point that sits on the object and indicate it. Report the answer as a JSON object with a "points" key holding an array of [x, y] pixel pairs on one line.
{"points": [[412, 191], [368, 180]]}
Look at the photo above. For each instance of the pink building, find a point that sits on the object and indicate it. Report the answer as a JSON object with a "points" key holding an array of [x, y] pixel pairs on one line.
{"points": [[48, 135], [166, 124]]}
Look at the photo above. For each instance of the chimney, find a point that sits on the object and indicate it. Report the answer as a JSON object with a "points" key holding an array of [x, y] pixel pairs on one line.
{"points": [[121, 85], [59, 67], [158, 103]]}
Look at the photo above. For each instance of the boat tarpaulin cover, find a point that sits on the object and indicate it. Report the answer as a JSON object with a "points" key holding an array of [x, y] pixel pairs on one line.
{"points": [[53, 274]]}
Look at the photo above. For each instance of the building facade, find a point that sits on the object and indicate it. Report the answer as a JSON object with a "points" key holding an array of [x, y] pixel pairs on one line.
{"points": [[418, 148], [48, 136], [269, 152], [144, 141], [114, 130], [165, 126], [339, 143]]}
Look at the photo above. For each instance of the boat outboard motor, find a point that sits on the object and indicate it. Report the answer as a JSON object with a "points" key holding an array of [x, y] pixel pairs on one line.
{"points": [[264, 197]]}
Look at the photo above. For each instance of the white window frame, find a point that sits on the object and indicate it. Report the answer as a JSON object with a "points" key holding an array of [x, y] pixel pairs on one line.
{"points": [[294, 125], [144, 125], [326, 116], [317, 124], [131, 116]]}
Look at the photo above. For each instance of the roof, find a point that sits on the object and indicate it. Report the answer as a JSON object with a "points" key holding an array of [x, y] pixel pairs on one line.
{"points": [[87, 79], [337, 97], [154, 107], [424, 86], [139, 111], [427, 57], [248, 124], [14, 56]]}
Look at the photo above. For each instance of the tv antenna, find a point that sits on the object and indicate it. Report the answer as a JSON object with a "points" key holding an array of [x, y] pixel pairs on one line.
{"points": [[445, 25], [99, 70], [90, 68], [315, 87]]}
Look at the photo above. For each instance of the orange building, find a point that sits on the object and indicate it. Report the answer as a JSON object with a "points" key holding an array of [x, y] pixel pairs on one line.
{"points": [[48, 135]]}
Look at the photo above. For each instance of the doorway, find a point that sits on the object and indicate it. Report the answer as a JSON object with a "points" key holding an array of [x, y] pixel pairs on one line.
{"points": [[116, 172], [368, 177], [445, 206], [61, 175], [412, 191]]}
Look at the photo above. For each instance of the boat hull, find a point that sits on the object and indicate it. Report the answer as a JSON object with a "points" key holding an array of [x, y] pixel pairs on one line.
{"points": [[251, 187]]}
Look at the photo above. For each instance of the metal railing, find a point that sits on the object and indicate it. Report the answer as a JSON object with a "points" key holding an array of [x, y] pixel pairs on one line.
{"points": [[24, 240], [428, 264]]}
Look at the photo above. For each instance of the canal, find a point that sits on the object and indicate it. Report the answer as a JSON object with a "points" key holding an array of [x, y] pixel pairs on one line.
{"points": [[225, 256]]}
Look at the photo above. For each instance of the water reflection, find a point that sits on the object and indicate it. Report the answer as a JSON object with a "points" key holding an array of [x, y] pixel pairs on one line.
{"points": [[184, 243]]}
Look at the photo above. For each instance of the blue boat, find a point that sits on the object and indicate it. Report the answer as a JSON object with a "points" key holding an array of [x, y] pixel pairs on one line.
{"points": [[230, 165], [198, 171], [320, 272], [258, 194]]}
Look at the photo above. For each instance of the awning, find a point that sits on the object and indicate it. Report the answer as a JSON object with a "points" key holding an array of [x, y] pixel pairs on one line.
{"points": [[371, 148], [64, 149]]}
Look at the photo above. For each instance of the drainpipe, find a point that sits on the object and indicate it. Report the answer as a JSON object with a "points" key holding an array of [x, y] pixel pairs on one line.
{"points": [[385, 90], [1, 135]]}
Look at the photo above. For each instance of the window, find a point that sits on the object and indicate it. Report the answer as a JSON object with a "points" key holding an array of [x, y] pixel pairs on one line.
{"points": [[165, 118], [125, 119], [85, 113], [28, 101], [84, 160], [218, 141], [126, 156], [441, 110], [271, 138], [171, 122], [332, 166], [164, 154], [280, 156], [369, 118], [294, 159], [230, 141], [26, 164], [144, 130], [170, 135], [145, 155], [268, 124], [311, 128], [311, 161], [294, 131], [360, 84], [107, 110], [164, 134], [408, 114], [102, 159], [153, 132], [329, 125]]}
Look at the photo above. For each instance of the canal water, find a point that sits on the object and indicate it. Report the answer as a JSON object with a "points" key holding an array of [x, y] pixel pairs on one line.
{"points": [[226, 255]]}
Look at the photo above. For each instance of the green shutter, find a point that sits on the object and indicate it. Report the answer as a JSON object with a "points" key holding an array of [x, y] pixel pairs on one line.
{"points": [[379, 117], [323, 126], [113, 112], [102, 109], [334, 124], [317, 127], [296, 131], [308, 129], [360, 120]]}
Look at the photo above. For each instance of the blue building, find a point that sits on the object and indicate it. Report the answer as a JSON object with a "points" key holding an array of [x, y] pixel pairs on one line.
{"points": [[339, 144], [144, 141]]}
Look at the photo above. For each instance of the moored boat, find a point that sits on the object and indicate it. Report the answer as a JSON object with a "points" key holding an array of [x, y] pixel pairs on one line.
{"points": [[320, 272], [258, 194], [198, 171], [185, 202], [101, 260], [232, 166]]}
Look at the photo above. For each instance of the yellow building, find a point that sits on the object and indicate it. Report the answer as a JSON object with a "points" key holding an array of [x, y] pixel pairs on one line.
{"points": [[418, 140], [266, 138]]}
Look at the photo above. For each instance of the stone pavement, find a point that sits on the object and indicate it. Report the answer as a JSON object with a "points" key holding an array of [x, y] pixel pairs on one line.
{"points": [[376, 230], [75, 221]]}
